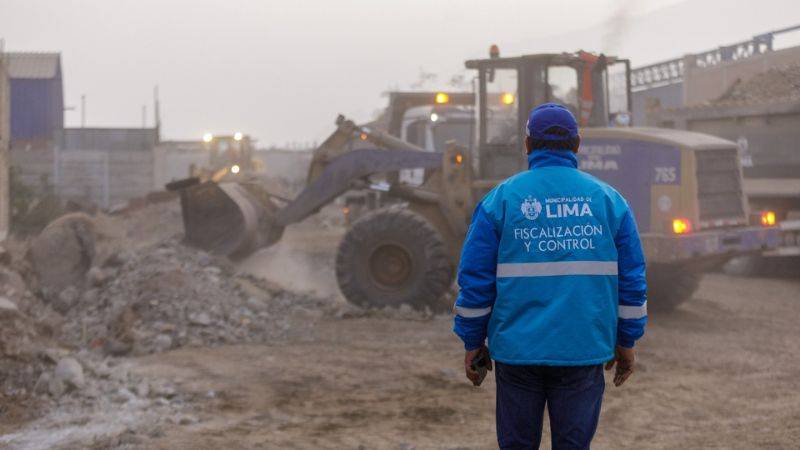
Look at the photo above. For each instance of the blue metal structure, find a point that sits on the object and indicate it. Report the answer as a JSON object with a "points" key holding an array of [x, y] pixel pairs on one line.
{"points": [[37, 98]]}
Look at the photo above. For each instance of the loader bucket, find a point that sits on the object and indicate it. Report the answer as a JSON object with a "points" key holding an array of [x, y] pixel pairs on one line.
{"points": [[230, 219]]}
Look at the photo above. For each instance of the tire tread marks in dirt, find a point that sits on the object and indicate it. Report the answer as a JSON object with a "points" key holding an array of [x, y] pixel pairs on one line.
{"points": [[431, 273]]}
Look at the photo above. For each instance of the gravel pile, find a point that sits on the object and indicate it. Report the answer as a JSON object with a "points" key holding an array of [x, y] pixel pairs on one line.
{"points": [[167, 295], [774, 84], [64, 327], [88, 398]]}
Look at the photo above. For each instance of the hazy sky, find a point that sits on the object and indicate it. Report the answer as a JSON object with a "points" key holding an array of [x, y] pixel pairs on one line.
{"points": [[282, 70]]}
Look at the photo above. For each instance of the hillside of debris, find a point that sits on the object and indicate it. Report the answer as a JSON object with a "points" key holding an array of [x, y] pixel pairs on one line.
{"points": [[777, 84], [91, 288]]}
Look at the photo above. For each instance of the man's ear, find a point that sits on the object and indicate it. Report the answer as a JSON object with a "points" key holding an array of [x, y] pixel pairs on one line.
{"points": [[528, 144], [577, 144]]}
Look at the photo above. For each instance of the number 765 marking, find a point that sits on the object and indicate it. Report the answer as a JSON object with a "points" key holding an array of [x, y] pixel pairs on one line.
{"points": [[666, 175]]}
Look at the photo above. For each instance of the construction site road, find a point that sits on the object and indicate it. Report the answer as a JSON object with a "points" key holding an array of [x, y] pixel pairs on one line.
{"points": [[723, 371]]}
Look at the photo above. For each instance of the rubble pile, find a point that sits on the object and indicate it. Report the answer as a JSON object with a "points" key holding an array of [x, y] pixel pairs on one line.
{"points": [[167, 295], [774, 84], [19, 339], [76, 389], [89, 289]]}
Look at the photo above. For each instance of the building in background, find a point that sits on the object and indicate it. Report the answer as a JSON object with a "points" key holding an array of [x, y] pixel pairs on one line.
{"points": [[699, 78], [98, 166], [37, 99], [5, 206]]}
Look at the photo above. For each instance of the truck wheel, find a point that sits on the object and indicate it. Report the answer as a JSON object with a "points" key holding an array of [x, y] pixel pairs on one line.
{"points": [[669, 286], [393, 256]]}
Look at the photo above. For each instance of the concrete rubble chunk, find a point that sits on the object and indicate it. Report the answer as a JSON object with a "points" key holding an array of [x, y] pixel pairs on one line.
{"points": [[96, 277], [69, 372], [42, 385], [201, 319], [66, 299], [117, 259], [56, 387], [162, 342], [8, 308], [5, 256], [63, 252], [124, 395]]}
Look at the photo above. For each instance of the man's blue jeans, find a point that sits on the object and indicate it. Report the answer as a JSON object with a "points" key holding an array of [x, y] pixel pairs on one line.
{"points": [[572, 394]]}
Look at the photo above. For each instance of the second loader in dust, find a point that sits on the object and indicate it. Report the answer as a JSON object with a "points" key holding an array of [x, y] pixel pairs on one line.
{"points": [[684, 187]]}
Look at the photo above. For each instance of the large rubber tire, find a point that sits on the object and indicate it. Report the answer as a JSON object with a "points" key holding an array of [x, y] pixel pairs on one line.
{"points": [[669, 286], [393, 256]]}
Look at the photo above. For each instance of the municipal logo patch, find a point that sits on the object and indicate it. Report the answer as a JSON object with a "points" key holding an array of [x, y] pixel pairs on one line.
{"points": [[531, 208]]}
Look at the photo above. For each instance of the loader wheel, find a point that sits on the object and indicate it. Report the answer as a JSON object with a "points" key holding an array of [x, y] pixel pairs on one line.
{"points": [[669, 286], [393, 256]]}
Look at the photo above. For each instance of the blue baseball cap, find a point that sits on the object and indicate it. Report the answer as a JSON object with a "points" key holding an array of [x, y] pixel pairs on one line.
{"points": [[549, 115]]}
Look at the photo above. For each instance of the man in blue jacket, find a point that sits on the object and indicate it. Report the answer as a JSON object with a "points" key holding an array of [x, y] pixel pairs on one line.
{"points": [[552, 273]]}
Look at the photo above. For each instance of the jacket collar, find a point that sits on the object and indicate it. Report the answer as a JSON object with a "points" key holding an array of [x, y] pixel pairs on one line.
{"points": [[547, 158]]}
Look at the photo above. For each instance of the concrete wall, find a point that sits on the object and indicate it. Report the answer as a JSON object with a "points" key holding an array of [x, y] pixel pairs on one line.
{"points": [[289, 165], [702, 84], [5, 131], [105, 178], [172, 160], [668, 96]]}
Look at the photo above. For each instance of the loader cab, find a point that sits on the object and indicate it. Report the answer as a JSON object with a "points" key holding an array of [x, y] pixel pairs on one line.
{"points": [[508, 88], [431, 128], [429, 120]]}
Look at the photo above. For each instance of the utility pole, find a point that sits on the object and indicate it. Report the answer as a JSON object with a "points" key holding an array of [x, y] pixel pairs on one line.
{"points": [[157, 113], [144, 116], [83, 110]]}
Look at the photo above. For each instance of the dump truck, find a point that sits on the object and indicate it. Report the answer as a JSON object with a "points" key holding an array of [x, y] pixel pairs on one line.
{"points": [[684, 188], [746, 92]]}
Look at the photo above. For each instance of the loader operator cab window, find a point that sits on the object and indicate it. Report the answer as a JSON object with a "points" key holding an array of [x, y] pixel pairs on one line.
{"points": [[501, 107], [452, 130], [618, 98], [431, 128], [562, 87], [415, 133]]}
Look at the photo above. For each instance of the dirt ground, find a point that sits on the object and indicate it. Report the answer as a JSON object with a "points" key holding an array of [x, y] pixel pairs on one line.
{"points": [[721, 372]]}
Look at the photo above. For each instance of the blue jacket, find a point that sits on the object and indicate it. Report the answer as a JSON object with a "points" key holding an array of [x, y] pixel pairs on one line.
{"points": [[552, 270]]}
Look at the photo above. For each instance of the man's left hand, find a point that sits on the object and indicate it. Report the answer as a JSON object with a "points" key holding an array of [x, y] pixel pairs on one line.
{"points": [[624, 358]]}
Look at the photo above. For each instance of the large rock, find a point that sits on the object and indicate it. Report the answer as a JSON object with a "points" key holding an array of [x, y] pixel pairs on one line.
{"points": [[69, 372], [12, 285], [8, 308], [62, 253]]}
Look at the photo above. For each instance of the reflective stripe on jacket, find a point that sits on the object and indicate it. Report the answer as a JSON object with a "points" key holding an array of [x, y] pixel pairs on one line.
{"points": [[552, 270]]}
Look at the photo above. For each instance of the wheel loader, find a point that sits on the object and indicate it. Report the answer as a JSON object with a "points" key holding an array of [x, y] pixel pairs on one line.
{"points": [[684, 188], [425, 119]]}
